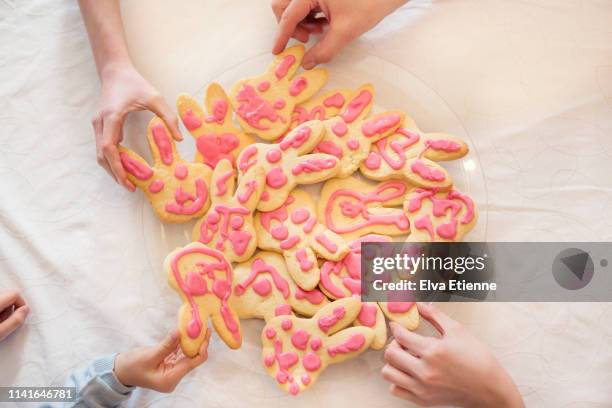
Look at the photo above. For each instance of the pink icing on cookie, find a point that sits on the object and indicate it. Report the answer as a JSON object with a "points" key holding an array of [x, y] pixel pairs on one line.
{"points": [[270, 332], [276, 178], [314, 296], [329, 147], [399, 307], [339, 128], [290, 242], [181, 172], [313, 165], [279, 103], [304, 262], [136, 168], [186, 203], [315, 343], [306, 379], [380, 125], [285, 362], [222, 182], [214, 148], [191, 121], [162, 141], [273, 155], [353, 144], [219, 111], [279, 233], [467, 201], [327, 243], [287, 324], [156, 186], [310, 224], [356, 106], [424, 222], [297, 86], [283, 68], [327, 322], [448, 146], [262, 287], [298, 139], [212, 227], [245, 157], [251, 187], [263, 86], [265, 196], [220, 289], [300, 215], [354, 343], [300, 339], [399, 147], [253, 108], [294, 389], [282, 310], [373, 161], [355, 204], [448, 230], [336, 100], [426, 172], [311, 362], [367, 315], [301, 114]]}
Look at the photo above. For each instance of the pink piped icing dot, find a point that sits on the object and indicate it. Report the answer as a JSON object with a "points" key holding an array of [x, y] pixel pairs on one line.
{"points": [[339, 128], [286, 324], [294, 389], [281, 310], [300, 215], [263, 86], [280, 103], [315, 343], [305, 379], [181, 172], [311, 362], [213, 217], [237, 222], [280, 232], [276, 178], [273, 156], [156, 186], [269, 360], [265, 196], [353, 144], [270, 332]]}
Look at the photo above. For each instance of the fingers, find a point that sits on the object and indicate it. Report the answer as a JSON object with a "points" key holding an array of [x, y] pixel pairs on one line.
{"points": [[415, 343], [11, 298], [400, 378], [96, 122], [14, 321], [291, 16], [440, 320], [167, 346], [405, 394], [402, 359], [159, 106], [111, 134], [327, 47], [185, 365]]}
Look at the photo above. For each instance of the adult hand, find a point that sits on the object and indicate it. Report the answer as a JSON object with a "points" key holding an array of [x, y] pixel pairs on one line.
{"points": [[347, 20], [13, 312], [454, 369], [160, 367], [124, 90]]}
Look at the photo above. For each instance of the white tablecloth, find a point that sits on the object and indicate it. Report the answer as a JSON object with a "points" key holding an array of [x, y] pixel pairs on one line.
{"points": [[530, 81]]}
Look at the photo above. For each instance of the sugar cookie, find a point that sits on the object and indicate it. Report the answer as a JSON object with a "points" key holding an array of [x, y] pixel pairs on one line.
{"points": [[230, 217], [295, 351], [215, 134], [353, 207], [264, 103], [203, 278], [405, 314], [177, 190], [321, 107], [264, 289], [349, 135], [439, 216], [293, 230], [411, 154], [287, 163]]}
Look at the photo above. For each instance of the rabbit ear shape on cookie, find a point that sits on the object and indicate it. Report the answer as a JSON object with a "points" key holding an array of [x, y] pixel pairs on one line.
{"points": [[360, 104], [217, 104], [250, 187], [337, 315], [138, 170], [286, 64], [223, 181], [303, 138], [307, 83], [382, 125], [163, 148], [348, 343], [191, 113], [426, 173]]}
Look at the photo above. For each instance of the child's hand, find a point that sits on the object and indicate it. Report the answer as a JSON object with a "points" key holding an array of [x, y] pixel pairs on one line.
{"points": [[454, 369], [347, 20], [124, 90], [13, 312], [160, 367]]}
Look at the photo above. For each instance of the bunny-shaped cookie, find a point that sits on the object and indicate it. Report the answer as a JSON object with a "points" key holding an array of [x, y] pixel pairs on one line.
{"points": [[263, 289], [203, 278], [353, 207], [228, 224], [296, 351], [349, 135], [439, 216], [215, 134], [264, 103], [293, 230], [177, 190], [321, 107], [287, 163], [411, 154]]}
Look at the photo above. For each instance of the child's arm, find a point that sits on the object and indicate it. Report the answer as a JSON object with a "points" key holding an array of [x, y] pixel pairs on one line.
{"points": [[124, 90], [13, 312], [108, 381], [454, 369], [347, 20]]}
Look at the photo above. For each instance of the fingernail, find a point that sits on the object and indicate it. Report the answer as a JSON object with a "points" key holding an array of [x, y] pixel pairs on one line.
{"points": [[309, 64]]}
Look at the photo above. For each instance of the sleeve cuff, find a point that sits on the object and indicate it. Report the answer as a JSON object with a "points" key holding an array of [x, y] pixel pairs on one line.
{"points": [[105, 368]]}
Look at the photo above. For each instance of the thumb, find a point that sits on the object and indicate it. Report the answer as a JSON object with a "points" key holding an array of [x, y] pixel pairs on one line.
{"points": [[159, 107], [440, 320], [167, 346], [326, 48]]}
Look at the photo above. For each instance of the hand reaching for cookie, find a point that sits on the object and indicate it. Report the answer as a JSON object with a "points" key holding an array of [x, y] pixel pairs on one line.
{"points": [[13, 312], [160, 367], [347, 20], [454, 369]]}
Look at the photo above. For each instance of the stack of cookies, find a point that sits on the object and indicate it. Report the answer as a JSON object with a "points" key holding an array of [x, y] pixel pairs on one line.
{"points": [[263, 247]]}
